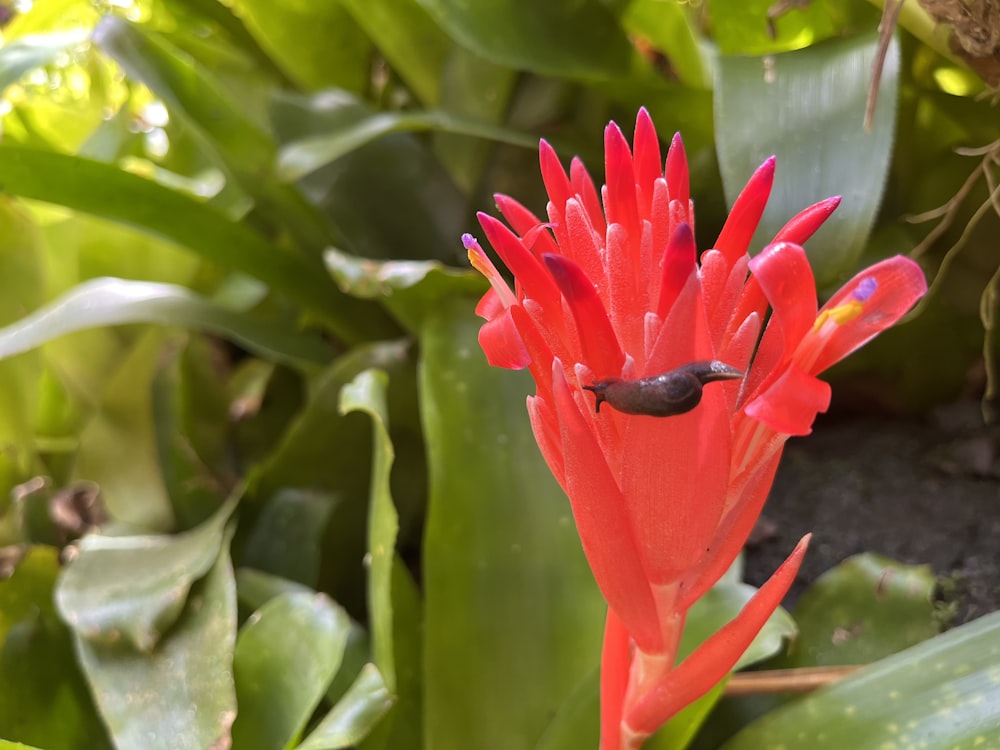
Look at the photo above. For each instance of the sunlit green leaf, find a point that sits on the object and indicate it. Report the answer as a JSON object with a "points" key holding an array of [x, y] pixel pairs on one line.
{"points": [[573, 38], [103, 190], [285, 656], [29, 52], [808, 109]]}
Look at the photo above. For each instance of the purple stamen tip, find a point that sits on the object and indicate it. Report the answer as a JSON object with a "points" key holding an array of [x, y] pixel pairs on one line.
{"points": [[865, 289], [469, 241]]}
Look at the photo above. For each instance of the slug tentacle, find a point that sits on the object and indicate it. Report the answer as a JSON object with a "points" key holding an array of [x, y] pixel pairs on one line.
{"points": [[664, 395]]}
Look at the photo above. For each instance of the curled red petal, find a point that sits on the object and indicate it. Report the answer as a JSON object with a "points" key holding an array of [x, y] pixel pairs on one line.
{"points": [[711, 661], [785, 276], [790, 404], [601, 349], [502, 344], [805, 223], [734, 240], [898, 283]]}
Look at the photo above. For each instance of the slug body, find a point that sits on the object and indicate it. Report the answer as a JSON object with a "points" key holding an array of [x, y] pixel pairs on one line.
{"points": [[665, 395]]}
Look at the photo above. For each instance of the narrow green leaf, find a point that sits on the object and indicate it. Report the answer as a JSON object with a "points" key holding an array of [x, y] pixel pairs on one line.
{"points": [[300, 158], [108, 192], [367, 393], [354, 716], [571, 38], [808, 109], [181, 695], [941, 694], [111, 302], [510, 605], [132, 589], [285, 656]]}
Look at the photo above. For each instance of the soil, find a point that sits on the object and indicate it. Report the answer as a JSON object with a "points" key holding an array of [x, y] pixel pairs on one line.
{"points": [[916, 491]]}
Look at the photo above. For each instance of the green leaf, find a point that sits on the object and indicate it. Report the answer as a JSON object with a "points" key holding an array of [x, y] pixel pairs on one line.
{"points": [[132, 589], [299, 158], [111, 302], [104, 190], [181, 695], [571, 38], [286, 655], [408, 39], [941, 694], [30, 52], [510, 605], [671, 27], [354, 716], [287, 537], [317, 45], [807, 108], [740, 27], [866, 608], [367, 393]]}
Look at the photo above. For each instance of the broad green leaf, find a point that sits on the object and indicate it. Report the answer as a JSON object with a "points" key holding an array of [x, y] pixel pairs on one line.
{"points": [[285, 656], [740, 27], [570, 38], [354, 716], [510, 605], [808, 108], [255, 588], [29, 52], [866, 608], [129, 591], [408, 39], [287, 536], [5, 745], [367, 393], [941, 694], [299, 158], [43, 698], [104, 190], [318, 45], [109, 302], [181, 695]]}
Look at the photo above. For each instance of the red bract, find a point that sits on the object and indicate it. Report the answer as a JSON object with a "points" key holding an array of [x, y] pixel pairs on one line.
{"points": [[612, 287]]}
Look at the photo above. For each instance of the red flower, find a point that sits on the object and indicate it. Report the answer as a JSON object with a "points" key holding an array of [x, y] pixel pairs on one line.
{"points": [[664, 505]]}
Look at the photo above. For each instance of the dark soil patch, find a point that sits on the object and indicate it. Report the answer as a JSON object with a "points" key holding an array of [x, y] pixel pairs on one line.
{"points": [[918, 492]]}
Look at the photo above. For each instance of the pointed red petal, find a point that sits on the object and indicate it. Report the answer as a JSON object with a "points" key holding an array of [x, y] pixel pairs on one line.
{"points": [[676, 171], [523, 222], [620, 205], [734, 240], [697, 674], [679, 260], [583, 185], [898, 283], [531, 275], [646, 146], [804, 224], [553, 175], [601, 351]]}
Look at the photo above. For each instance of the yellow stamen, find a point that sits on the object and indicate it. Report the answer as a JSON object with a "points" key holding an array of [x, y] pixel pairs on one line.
{"points": [[840, 314]]}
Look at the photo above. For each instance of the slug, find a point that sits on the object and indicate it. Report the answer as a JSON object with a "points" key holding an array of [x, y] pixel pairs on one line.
{"points": [[665, 395]]}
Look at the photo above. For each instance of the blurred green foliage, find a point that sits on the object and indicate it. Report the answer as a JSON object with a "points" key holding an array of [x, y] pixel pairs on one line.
{"points": [[239, 356]]}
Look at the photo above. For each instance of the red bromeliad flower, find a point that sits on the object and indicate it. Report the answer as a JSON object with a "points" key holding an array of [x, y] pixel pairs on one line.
{"points": [[612, 307]]}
